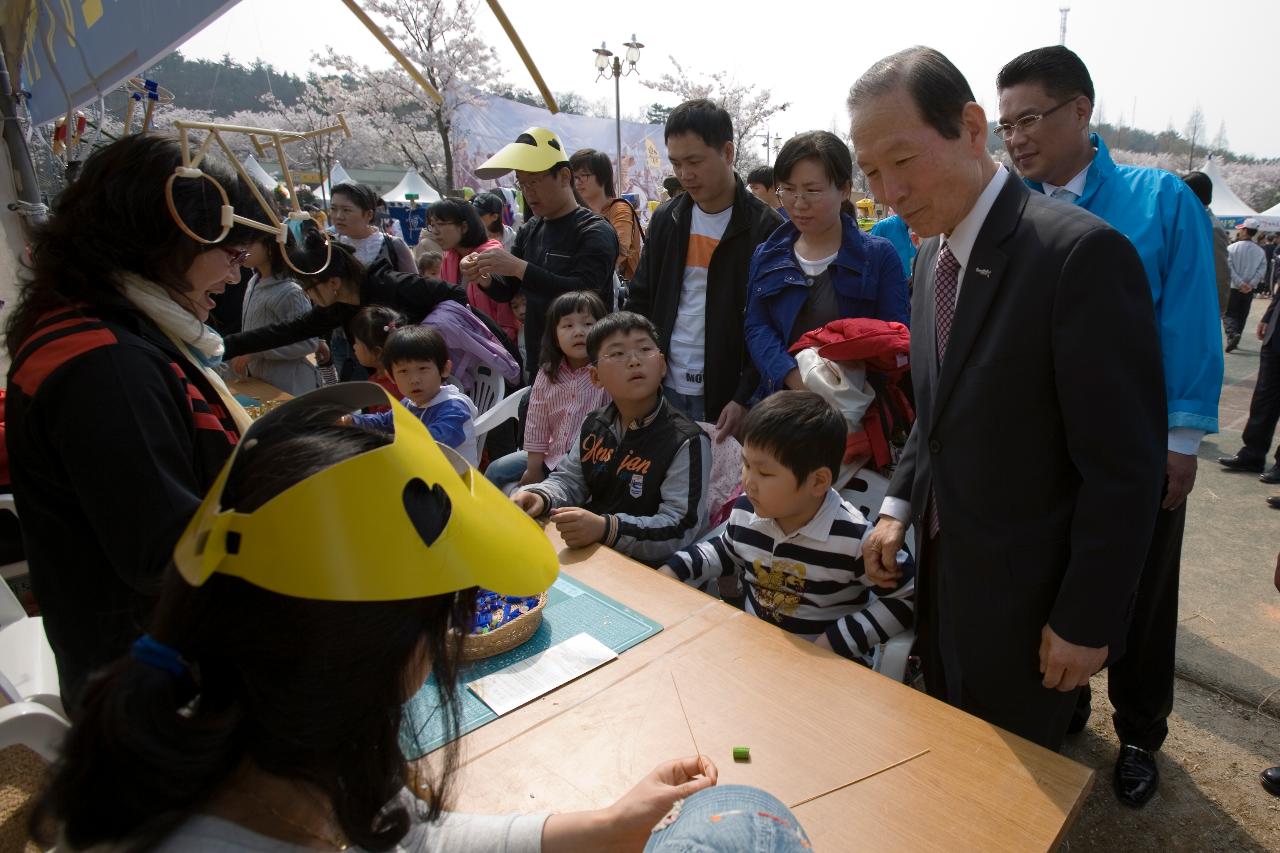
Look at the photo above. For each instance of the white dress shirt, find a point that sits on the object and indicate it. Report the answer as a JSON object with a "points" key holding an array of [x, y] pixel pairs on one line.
{"points": [[960, 240]]}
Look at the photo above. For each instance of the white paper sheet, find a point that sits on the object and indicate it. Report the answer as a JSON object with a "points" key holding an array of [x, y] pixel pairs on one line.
{"points": [[526, 680]]}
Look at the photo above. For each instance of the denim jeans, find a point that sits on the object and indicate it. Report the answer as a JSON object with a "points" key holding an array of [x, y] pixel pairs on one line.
{"points": [[732, 819], [509, 469], [693, 407]]}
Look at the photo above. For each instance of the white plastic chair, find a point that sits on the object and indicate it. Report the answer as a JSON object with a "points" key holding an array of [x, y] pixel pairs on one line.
{"points": [[10, 571], [866, 491], [34, 726], [506, 409], [27, 665], [11, 609], [487, 390]]}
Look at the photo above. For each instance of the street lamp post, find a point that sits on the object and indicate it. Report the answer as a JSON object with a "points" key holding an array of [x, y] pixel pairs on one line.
{"points": [[606, 69]]}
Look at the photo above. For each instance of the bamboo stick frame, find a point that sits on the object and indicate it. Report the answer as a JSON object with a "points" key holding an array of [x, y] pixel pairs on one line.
{"points": [[277, 139]]}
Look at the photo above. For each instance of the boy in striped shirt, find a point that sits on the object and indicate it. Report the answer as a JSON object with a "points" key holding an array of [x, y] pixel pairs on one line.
{"points": [[797, 544]]}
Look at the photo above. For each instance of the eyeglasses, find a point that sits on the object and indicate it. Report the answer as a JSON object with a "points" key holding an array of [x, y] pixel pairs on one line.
{"points": [[1024, 124], [641, 353], [792, 196], [235, 257], [436, 225], [530, 183]]}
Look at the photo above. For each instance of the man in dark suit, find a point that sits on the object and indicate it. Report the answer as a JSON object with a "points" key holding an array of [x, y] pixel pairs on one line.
{"points": [[1036, 462], [1264, 410]]}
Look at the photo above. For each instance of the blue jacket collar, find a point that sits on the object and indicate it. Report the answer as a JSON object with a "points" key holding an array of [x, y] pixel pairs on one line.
{"points": [[778, 252]]}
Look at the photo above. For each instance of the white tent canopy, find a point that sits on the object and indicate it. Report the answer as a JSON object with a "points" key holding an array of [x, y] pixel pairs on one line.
{"points": [[259, 174], [1226, 204], [412, 184], [337, 175]]}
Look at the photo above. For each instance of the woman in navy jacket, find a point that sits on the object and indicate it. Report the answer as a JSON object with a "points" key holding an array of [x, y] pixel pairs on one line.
{"points": [[819, 266]]}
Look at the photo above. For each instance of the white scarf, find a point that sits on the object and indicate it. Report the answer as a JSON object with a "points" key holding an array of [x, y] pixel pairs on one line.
{"points": [[187, 333]]}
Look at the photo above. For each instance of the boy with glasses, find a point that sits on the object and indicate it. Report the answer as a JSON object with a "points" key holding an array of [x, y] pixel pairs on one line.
{"points": [[563, 247], [637, 478]]}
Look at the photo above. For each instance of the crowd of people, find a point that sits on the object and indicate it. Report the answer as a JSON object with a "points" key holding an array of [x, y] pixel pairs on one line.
{"points": [[1066, 357]]}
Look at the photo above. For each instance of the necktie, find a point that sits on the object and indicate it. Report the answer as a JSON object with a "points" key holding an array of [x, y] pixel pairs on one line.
{"points": [[945, 285], [1064, 194]]}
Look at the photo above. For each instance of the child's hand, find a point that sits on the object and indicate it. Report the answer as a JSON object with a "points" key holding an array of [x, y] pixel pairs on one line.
{"points": [[346, 420], [666, 570], [823, 643], [323, 356], [240, 364], [531, 476], [531, 502], [578, 527]]}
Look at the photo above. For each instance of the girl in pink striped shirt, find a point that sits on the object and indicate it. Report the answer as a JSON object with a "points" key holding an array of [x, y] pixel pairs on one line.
{"points": [[562, 396]]}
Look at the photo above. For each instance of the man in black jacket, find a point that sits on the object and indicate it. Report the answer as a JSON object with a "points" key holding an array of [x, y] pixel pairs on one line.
{"points": [[1033, 509], [692, 278], [563, 248]]}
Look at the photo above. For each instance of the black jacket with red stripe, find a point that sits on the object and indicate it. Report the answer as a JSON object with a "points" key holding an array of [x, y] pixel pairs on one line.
{"points": [[113, 440]]}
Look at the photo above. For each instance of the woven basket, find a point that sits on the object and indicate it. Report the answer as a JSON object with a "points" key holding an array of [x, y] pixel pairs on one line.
{"points": [[505, 638]]}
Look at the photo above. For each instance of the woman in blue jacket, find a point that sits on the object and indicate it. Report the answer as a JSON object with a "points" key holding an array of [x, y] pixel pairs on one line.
{"points": [[819, 266]]}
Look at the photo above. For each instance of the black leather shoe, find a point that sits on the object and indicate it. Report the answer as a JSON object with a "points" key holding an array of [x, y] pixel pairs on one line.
{"points": [[1271, 780], [1271, 476], [1241, 463], [1274, 501], [1136, 777], [1233, 341]]}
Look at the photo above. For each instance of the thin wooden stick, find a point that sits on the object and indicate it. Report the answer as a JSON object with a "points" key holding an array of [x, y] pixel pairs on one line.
{"points": [[859, 779], [696, 751]]}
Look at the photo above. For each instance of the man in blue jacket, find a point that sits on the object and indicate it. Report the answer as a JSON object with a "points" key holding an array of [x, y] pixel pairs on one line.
{"points": [[1046, 102]]}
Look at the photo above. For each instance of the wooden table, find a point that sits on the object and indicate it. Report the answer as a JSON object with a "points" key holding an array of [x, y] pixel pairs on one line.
{"points": [[258, 389], [813, 721]]}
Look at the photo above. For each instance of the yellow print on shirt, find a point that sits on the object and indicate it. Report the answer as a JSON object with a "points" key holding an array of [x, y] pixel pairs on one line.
{"points": [[779, 587]]}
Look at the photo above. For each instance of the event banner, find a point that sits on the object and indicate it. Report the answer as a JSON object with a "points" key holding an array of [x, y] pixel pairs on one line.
{"points": [[72, 51], [484, 127]]}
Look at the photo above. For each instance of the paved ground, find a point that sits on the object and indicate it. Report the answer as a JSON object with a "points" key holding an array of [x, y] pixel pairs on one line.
{"points": [[1226, 723]]}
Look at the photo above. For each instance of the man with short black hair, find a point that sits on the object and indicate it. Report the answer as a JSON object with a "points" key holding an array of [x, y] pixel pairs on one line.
{"points": [[564, 247], [692, 278], [1046, 99]]}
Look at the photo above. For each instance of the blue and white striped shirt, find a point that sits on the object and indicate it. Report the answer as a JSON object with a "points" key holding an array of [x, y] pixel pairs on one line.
{"points": [[808, 583]]}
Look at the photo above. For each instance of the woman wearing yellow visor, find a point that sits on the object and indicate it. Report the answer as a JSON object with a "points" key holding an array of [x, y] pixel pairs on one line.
{"points": [[320, 582]]}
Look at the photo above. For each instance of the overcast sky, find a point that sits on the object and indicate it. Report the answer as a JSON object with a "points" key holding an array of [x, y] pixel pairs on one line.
{"points": [[1157, 60]]}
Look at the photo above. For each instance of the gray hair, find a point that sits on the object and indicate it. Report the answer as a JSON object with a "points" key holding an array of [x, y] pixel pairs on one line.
{"points": [[936, 86]]}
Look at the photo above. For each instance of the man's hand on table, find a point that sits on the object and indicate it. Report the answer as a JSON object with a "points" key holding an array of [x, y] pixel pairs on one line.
{"points": [[1065, 665], [578, 527], [531, 502]]}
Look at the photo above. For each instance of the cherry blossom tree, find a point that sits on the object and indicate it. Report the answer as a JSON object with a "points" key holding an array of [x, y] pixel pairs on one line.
{"points": [[441, 38], [749, 108]]}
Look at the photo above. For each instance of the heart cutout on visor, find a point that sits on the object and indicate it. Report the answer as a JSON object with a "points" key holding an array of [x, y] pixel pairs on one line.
{"points": [[428, 507]]}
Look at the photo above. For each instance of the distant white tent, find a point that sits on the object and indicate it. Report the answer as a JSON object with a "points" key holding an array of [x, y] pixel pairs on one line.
{"points": [[259, 174], [412, 184], [337, 175], [1226, 204]]}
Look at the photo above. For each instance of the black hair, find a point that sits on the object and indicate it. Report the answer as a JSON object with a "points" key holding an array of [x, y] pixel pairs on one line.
{"points": [[458, 212], [617, 323], [362, 196], [489, 203], [373, 324], [800, 429], [1201, 185], [672, 185], [415, 343], [762, 175], [1249, 232], [705, 118], [598, 164], [935, 85], [310, 255], [121, 190], [304, 689], [829, 150], [429, 258], [1062, 74], [564, 305]]}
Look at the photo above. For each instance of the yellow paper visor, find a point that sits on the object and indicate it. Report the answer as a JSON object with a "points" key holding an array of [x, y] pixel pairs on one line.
{"points": [[535, 150], [399, 522]]}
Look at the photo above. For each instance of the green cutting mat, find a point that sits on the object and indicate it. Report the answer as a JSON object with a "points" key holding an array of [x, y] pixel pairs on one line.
{"points": [[572, 607]]}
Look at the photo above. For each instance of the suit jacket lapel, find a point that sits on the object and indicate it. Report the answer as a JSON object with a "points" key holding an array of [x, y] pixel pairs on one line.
{"points": [[924, 311], [983, 276]]}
